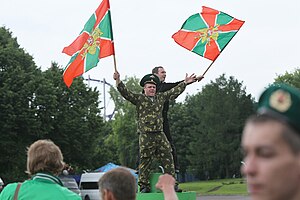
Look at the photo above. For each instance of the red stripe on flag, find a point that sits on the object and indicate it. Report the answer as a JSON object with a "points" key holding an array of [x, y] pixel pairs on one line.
{"points": [[106, 48], [76, 45], [209, 15], [234, 25], [212, 50], [75, 69], [186, 39], [100, 11]]}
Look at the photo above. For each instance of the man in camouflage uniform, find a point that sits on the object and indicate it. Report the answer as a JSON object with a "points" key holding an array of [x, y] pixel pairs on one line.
{"points": [[163, 87], [152, 140]]}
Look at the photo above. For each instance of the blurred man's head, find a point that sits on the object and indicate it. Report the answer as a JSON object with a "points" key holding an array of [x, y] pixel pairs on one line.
{"points": [[1, 185], [44, 156], [160, 72], [271, 145], [117, 184]]}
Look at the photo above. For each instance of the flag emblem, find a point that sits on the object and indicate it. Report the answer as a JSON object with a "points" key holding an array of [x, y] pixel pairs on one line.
{"points": [[92, 43]]}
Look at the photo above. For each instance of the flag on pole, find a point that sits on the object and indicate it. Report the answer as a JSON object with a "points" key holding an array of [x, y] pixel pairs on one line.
{"points": [[207, 33], [94, 42]]}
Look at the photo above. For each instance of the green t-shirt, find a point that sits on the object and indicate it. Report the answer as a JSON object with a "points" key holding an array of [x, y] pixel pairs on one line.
{"points": [[42, 187]]}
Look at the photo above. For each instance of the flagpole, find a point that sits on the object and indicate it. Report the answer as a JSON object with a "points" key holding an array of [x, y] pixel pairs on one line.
{"points": [[114, 54], [208, 67], [115, 63]]}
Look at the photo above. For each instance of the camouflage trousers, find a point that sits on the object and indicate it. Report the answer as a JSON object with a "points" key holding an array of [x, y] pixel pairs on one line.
{"points": [[154, 145]]}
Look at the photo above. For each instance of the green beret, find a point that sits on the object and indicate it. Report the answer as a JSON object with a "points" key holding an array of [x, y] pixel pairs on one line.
{"points": [[149, 78], [282, 102]]}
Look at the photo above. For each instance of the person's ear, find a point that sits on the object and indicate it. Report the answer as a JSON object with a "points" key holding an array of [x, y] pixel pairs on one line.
{"points": [[107, 195], [103, 194]]}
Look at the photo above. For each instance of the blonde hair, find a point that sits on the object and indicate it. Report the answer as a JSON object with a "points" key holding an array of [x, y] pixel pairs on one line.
{"points": [[44, 156]]}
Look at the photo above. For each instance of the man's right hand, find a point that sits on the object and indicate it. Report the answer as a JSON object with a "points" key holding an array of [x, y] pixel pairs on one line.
{"points": [[116, 76]]}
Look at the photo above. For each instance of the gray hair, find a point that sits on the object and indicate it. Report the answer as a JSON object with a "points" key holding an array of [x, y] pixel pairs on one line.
{"points": [[120, 182]]}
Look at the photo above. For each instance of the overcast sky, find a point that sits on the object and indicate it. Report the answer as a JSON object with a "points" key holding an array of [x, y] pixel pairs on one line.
{"points": [[267, 44]]}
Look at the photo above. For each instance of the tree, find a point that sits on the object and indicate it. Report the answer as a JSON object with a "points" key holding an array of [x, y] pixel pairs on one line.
{"points": [[292, 78], [124, 126], [37, 105], [181, 131], [19, 77], [72, 118], [217, 117]]}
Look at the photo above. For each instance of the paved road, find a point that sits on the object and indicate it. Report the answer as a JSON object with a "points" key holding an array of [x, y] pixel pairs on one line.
{"points": [[223, 198]]}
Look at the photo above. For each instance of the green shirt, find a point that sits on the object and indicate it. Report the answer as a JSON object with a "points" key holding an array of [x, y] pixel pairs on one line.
{"points": [[149, 109], [42, 187]]}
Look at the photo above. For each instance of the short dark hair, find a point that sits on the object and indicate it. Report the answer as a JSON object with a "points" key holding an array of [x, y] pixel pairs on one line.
{"points": [[120, 182], [155, 69], [289, 134]]}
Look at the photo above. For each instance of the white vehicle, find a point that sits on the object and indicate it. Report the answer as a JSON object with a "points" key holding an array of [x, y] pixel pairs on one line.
{"points": [[89, 185], [1, 185]]}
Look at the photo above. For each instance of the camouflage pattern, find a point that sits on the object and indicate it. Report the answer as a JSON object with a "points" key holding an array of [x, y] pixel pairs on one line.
{"points": [[152, 140], [149, 109], [154, 145]]}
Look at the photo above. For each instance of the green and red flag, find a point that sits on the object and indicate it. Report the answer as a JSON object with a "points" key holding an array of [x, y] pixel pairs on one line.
{"points": [[94, 42], [207, 33]]}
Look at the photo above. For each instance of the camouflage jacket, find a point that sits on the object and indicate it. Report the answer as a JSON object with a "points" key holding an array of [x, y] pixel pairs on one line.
{"points": [[149, 109]]}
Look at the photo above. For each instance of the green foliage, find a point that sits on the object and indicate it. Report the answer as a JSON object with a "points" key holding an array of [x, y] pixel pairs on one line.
{"points": [[17, 83], [37, 105], [214, 122], [124, 126], [292, 78], [179, 118], [72, 117]]}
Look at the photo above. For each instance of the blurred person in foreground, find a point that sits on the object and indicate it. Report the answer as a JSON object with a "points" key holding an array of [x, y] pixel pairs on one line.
{"points": [[120, 184], [44, 164], [271, 145], [166, 184], [1, 185], [117, 184]]}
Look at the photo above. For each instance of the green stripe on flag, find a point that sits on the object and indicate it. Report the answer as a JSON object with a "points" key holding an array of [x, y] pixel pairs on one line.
{"points": [[223, 18], [89, 25], [91, 60], [200, 48], [194, 23], [105, 26], [224, 38]]}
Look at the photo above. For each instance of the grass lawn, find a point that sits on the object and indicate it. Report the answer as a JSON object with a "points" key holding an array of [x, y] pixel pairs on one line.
{"points": [[235, 186]]}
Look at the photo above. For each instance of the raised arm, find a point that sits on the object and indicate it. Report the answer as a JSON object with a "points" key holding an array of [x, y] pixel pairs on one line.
{"points": [[166, 184], [127, 94]]}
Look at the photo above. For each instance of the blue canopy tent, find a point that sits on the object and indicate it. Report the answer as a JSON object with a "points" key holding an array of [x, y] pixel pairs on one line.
{"points": [[110, 166]]}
